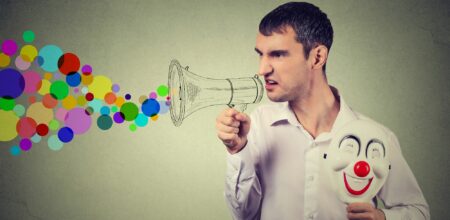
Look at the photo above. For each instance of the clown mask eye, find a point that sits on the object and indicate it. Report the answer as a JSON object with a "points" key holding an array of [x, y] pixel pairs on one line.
{"points": [[350, 146], [375, 150]]}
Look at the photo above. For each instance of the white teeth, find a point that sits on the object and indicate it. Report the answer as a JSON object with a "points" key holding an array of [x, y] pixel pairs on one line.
{"points": [[271, 81]]}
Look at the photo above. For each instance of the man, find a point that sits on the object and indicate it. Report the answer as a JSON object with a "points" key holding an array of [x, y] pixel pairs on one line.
{"points": [[274, 168]]}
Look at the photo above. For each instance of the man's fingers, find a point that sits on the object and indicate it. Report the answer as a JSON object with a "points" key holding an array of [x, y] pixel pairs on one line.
{"points": [[227, 129], [227, 137], [229, 121], [230, 112]]}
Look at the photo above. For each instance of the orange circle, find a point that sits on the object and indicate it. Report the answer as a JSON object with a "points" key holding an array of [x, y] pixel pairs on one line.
{"points": [[120, 101], [49, 101], [87, 79], [110, 98]]}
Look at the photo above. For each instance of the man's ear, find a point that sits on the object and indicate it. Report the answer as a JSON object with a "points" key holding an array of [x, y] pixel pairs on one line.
{"points": [[319, 56]]}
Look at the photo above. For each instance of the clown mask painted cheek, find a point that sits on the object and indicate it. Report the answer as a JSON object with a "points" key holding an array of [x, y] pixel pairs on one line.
{"points": [[357, 161]]}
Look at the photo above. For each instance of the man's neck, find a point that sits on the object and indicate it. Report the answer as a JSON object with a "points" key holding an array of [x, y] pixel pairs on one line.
{"points": [[317, 110]]}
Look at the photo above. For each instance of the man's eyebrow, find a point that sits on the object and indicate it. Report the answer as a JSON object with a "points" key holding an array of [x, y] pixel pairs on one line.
{"points": [[258, 51], [278, 52]]}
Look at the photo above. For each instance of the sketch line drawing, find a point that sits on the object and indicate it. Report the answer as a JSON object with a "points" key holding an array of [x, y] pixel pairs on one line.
{"points": [[190, 92]]}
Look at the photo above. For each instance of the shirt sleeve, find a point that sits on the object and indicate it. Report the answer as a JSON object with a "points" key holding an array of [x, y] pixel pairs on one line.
{"points": [[242, 186], [401, 194]]}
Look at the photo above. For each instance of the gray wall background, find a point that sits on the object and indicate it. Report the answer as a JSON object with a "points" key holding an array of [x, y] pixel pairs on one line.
{"points": [[390, 60]]}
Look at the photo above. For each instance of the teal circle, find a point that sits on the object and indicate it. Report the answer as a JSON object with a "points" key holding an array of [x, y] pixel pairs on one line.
{"points": [[19, 110], [104, 122], [48, 57], [141, 120], [54, 143], [15, 150]]}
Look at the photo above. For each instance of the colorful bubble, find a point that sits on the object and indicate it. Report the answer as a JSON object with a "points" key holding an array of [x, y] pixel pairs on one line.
{"points": [[40, 113], [12, 83], [68, 63], [49, 101], [162, 90], [33, 82], [104, 122], [105, 110], [19, 110], [25, 144], [28, 36], [28, 53], [86, 69], [87, 79], [89, 96], [8, 129], [78, 120], [127, 96], [7, 104], [26, 127], [129, 110], [153, 95], [73, 79], [45, 87], [141, 120], [164, 107], [110, 98], [59, 90], [4, 60], [21, 64], [15, 150], [48, 57], [114, 109], [69, 102], [119, 117], [42, 129], [36, 138], [100, 86], [150, 107], [54, 143], [9, 47], [96, 105], [132, 127], [53, 125], [81, 101], [115, 88], [61, 114], [65, 134]]}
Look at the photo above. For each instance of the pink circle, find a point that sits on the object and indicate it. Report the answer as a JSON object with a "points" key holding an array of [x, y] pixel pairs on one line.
{"points": [[22, 64], [9, 47], [86, 69], [78, 120], [153, 95], [33, 82], [61, 114]]}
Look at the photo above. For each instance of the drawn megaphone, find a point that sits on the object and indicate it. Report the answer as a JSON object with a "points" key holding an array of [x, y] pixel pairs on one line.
{"points": [[190, 92]]}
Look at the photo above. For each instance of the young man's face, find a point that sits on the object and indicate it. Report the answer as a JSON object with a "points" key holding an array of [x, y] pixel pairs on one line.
{"points": [[286, 72]]}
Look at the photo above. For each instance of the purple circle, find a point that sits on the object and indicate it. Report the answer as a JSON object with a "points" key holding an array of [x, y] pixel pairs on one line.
{"points": [[78, 120], [115, 88], [153, 95], [86, 69], [76, 90], [127, 96], [25, 144], [12, 83], [9, 47], [119, 117]]}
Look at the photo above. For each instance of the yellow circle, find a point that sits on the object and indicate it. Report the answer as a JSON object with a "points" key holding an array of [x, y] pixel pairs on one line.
{"points": [[4, 60], [69, 102], [81, 101], [120, 101], [8, 129], [100, 86], [28, 53], [155, 117], [45, 87], [40, 113], [87, 79]]}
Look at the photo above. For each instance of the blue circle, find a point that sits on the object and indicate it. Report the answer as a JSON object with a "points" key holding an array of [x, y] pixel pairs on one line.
{"points": [[73, 79], [48, 57], [105, 110], [65, 134], [150, 107], [12, 83], [15, 150]]}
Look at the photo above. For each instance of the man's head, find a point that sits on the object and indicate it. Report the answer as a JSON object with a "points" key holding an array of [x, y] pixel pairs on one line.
{"points": [[293, 45], [312, 27]]}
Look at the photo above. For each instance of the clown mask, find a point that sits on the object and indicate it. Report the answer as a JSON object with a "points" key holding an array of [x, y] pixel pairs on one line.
{"points": [[358, 161]]}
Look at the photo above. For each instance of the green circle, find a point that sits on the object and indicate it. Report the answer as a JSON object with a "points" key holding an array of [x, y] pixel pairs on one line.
{"points": [[19, 110], [133, 127], [162, 90], [59, 90], [129, 110], [53, 125], [114, 109], [28, 36], [7, 104]]}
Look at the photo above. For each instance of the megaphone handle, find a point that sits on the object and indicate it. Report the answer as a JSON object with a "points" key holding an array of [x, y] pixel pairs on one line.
{"points": [[240, 107]]}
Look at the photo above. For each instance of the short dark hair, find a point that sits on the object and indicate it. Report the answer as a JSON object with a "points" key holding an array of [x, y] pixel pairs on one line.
{"points": [[310, 24]]}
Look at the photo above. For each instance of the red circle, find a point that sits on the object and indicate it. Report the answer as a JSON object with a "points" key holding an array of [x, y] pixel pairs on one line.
{"points": [[42, 130], [26, 127], [89, 96], [361, 168], [49, 101], [68, 63]]}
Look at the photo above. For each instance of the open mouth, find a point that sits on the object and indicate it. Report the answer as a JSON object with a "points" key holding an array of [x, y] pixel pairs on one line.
{"points": [[270, 83], [357, 186]]}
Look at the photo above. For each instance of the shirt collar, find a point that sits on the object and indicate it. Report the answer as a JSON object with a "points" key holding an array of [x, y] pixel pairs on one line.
{"points": [[284, 113]]}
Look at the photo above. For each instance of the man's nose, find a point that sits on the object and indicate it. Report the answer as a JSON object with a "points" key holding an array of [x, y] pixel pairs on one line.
{"points": [[264, 67]]}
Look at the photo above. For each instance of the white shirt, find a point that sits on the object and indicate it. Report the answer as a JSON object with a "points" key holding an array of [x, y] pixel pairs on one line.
{"points": [[279, 174]]}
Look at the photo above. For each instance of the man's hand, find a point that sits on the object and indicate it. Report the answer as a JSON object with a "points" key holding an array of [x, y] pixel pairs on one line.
{"points": [[232, 128], [359, 210]]}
